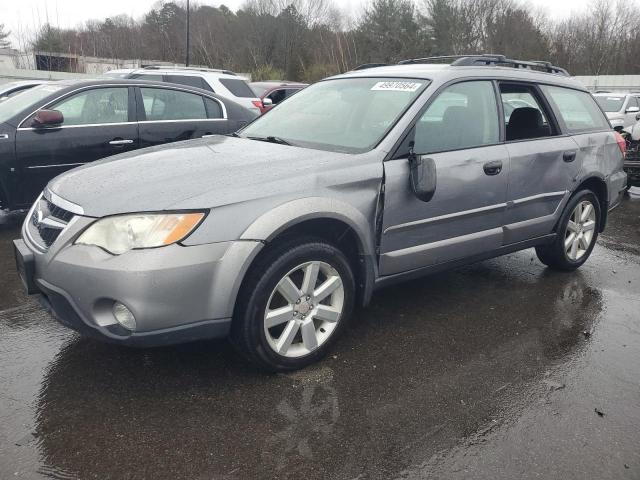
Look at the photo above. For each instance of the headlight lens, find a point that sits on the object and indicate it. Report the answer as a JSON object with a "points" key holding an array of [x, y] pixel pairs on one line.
{"points": [[122, 233]]}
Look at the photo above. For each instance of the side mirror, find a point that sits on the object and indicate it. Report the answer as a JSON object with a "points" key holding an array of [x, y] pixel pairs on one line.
{"points": [[619, 128], [633, 109], [423, 177], [47, 118], [267, 102]]}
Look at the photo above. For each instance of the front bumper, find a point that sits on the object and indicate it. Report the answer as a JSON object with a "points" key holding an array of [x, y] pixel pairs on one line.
{"points": [[176, 293]]}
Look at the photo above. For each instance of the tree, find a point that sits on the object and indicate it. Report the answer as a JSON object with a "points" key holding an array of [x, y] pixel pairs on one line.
{"points": [[4, 42]]}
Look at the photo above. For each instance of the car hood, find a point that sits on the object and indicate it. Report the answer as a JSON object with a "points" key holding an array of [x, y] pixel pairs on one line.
{"points": [[195, 174]]}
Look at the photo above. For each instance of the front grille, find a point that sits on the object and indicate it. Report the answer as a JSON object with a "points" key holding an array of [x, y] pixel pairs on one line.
{"points": [[47, 222]]}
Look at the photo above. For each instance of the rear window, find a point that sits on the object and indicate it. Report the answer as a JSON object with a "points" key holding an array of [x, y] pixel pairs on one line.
{"points": [[238, 87], [577, 109], [610, 103]]}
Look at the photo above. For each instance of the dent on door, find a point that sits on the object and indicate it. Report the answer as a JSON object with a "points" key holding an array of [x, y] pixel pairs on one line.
{"points": [[464, 217]]}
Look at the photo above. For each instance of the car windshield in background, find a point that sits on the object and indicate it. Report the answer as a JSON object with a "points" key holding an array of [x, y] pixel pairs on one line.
{"points": [[347, 115], [17, 103], [259, 90], [610, 103]]}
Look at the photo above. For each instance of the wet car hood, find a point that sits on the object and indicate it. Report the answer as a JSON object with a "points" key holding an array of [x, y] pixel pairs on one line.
{"points": [[195, 174]]}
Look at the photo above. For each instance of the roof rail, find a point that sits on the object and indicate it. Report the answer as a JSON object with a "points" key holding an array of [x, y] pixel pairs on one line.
{"points": [[489, 59], [370, 65], [195, 69]]}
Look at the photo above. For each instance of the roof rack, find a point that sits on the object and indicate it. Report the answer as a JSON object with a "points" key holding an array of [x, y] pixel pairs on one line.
{"points": [[489, 59], [195, 69]]}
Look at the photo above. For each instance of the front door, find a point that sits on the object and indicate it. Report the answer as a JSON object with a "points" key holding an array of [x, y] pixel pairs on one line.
{"points": [[460, 132], [170, 115], [98, 122]]}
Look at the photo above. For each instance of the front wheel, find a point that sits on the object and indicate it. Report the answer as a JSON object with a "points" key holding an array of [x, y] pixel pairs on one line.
{"points": [[293, 305], [576, 235]]}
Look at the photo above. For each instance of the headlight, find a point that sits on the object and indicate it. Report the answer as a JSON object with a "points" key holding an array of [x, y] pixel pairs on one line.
{"points": [[122, 233]]}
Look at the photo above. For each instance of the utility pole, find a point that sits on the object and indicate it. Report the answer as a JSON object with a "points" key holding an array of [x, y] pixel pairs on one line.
{"points": [[186, 61]]}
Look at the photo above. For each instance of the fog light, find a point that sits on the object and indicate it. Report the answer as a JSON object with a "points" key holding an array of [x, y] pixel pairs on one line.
{"points": [[124, 316]]}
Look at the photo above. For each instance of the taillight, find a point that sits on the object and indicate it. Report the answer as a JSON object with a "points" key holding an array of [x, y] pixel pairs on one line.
{"points": [[257, 103], [622, 143]]}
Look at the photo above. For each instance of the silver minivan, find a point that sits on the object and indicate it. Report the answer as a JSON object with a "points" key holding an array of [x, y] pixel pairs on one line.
{"points": [[271, 236]]}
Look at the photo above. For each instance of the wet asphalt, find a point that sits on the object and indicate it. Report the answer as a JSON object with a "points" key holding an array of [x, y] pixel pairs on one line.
{"points": [[492, 371]]}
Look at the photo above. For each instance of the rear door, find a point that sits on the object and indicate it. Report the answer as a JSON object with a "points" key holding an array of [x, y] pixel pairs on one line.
{"points": [[542, 160], [98, 122], [170, 115], [459, 131]]}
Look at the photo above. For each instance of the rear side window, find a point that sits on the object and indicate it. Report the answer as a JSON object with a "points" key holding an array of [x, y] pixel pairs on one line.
{"points": [[161, 104], [524, 114], [578, 110], [464, 115], [192, 81], [238, 87], [214, 110], [150, 77]]}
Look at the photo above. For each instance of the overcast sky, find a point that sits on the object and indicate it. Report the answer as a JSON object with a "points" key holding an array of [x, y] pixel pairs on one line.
{"points": [[25, 14]]}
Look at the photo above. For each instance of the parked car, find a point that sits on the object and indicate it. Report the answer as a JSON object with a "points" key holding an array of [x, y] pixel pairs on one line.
{"points": [[273, 235], [622, 110], [222, 82], [58, 126], [8, 90], [273, 92]]}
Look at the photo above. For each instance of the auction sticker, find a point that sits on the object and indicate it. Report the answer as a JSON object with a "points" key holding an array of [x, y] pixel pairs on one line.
{"points": [[397, 86]]}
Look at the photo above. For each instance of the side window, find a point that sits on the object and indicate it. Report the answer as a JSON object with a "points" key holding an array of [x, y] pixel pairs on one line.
{"points": [[633, 102], [214, 110], [192, 81], [524, 115], [146, 76], [578, 109], [161, 104], [97, 106], [277, 96], [464, 115]]}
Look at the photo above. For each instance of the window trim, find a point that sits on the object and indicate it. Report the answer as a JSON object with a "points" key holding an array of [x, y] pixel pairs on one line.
{"points": [[561, 121], [111, 85]]}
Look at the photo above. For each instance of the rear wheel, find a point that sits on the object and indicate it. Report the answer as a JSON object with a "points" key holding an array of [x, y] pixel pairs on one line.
{"points": [[577, 233], [294, 304]]}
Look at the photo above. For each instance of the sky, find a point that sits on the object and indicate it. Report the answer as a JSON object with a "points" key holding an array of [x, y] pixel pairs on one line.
{"points": [[26, 14]]}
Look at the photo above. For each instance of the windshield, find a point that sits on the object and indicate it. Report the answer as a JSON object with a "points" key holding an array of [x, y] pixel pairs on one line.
{"points": [[347, 115], [610, 103], [13, 105]]}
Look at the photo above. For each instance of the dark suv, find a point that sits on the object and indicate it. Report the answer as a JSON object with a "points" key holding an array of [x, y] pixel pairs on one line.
{"points": [[273, 235]]}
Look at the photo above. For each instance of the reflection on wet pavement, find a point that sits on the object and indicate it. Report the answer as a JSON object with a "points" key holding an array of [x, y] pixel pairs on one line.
{"points": [[489, 371]]}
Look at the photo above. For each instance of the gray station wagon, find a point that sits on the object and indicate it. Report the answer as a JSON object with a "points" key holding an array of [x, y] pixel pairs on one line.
{"points": [[272, 235]]}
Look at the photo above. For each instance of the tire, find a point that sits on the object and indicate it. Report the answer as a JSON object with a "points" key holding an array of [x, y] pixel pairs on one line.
{"points": [[267, 294], [585, 234]]}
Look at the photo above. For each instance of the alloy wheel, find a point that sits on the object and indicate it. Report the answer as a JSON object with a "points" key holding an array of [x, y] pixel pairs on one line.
{"points": [[304, 309], [580, 230]]}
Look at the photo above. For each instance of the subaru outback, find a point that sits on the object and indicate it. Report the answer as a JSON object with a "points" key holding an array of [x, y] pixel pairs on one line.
{"points": [[273, 235]]}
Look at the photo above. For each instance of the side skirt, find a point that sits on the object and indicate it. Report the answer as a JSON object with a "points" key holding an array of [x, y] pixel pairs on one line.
{"points": [[387, 280]]}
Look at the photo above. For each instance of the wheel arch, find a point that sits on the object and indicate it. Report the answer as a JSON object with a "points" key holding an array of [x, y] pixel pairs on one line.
{"points": [[337, 222], [598, 186]]}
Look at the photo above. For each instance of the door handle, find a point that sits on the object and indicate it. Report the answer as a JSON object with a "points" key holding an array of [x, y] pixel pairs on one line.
{"points": [[493, 168], [569, 156], [120, 142]]}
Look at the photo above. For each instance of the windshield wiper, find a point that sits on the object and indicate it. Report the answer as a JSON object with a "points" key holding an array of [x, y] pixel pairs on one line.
{"points": [[271, 139], [234, 134]]}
